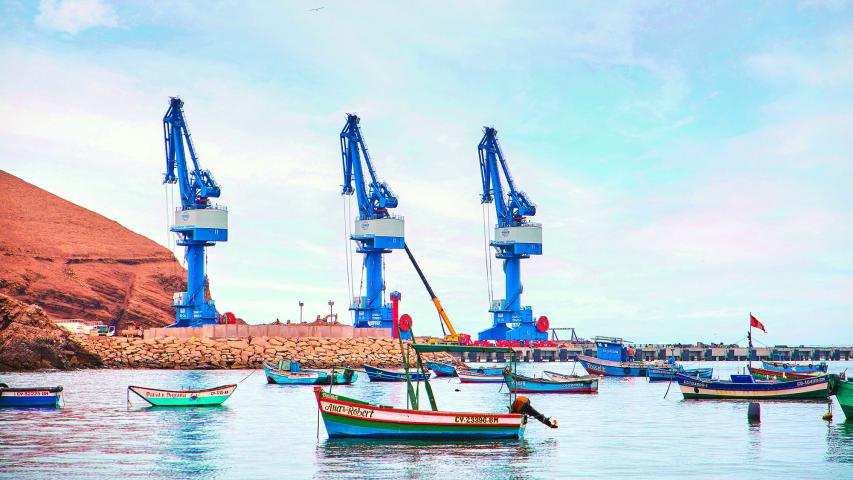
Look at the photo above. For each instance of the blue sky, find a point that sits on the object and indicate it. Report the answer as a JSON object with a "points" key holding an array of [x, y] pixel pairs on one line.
{"points": [[691, 161]]}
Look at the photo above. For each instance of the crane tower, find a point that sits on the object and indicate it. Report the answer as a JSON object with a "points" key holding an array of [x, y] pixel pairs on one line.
{"points": [[515, 238], [198, 223], [375, 232]]}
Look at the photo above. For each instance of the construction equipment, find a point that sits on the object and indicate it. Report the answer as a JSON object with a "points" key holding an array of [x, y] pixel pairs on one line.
{"points": [[514, 238], [376, 232], [198, 223], [445, 321]]}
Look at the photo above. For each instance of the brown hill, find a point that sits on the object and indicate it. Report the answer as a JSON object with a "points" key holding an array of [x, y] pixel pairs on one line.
{"points": [[76, 264]]}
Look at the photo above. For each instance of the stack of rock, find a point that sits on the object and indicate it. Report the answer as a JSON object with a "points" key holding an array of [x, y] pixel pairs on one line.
{"points": [[251, 352], [29, 340]]}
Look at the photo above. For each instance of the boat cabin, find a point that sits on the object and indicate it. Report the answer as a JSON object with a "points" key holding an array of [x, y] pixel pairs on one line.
{"points": [[611, 348]]}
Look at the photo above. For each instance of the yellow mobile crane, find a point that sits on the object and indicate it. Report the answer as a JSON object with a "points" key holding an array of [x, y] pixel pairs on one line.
{"points": [[448, 337]]}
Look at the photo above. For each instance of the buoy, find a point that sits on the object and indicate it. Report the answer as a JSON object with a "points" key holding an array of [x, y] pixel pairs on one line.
{"points": [[827, 416], [753, 413], [405, 322], [542, 324]]}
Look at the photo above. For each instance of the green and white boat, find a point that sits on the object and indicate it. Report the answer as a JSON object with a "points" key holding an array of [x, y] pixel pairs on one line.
{"points": [[184, 398], [845, 398]]}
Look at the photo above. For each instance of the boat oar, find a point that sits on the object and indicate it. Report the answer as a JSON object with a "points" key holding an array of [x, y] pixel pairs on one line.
{"points": [[522, 405]]}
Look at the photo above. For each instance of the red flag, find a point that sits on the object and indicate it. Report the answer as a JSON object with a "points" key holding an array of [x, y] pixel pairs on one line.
{"points": [[753, 322]]}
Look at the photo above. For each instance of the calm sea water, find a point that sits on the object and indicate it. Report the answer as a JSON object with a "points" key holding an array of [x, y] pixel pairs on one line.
{"points": [[628, 429]]}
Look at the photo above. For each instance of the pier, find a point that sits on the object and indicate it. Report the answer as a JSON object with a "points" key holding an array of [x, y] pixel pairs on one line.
{"points": [[568, 352]]}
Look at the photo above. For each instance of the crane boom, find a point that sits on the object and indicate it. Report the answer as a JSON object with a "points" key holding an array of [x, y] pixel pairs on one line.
{"points": [[453, 336]]}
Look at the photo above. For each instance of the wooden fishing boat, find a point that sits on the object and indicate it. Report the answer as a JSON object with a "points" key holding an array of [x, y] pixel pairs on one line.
{"points": [[522, 384], [349, 417], [442, 369], [29, 396], [472, 376], [788, 367], [279, 376], [844, 395], [666, 374], [184, 398], [376, 374], [745, 387], [764, 374], [611, 360], [607, 368]]}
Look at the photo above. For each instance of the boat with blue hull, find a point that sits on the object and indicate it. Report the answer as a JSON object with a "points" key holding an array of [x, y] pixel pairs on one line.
{"points": [[666, 374], [442, 369], [48, 397], [787, 367], [553, 384], [376, 374], [612, 360], [745, 387], [289, 373]]}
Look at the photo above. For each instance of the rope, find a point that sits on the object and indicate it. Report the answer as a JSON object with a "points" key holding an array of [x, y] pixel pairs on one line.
{"points": [[247, 376]]}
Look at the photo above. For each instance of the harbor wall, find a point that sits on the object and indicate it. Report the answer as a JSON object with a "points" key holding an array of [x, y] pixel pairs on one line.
{"points": [[298, 330], [244, 352]]}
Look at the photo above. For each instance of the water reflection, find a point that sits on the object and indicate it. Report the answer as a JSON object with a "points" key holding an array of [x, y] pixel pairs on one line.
{"points": [[345, 458], [839, 442], [187, 439]]}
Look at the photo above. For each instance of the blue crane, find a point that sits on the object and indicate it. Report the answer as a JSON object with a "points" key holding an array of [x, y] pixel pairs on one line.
{"points": [[515, 238], [376, 232], [198, 223]]}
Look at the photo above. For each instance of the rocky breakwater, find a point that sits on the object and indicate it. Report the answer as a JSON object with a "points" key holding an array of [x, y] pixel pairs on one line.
{"points": [[214, 353], [29, 340]]}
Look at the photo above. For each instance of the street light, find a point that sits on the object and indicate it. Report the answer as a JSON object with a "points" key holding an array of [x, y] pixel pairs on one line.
{"points": [[331, 308], [300, 310]]}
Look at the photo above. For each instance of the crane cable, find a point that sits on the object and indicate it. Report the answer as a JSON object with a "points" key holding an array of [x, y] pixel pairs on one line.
{"points": [[347, 252], [488, 258]]}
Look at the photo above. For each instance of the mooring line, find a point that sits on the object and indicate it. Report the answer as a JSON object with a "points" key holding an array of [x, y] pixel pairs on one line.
{"points": [[247, 376]]}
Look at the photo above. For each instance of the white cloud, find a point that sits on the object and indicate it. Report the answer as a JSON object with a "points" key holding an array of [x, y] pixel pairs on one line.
{"points": [[74, 16]]}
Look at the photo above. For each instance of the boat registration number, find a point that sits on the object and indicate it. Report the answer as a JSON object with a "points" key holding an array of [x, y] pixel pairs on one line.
{"points": [[31, 393], [479, 420], [811, 381]]}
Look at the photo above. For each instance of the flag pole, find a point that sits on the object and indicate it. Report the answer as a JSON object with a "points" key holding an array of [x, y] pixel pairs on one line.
{"points": [[749, 336]]}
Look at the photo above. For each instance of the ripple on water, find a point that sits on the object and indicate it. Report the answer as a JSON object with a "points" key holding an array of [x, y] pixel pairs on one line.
{"points": [[268, 431]]}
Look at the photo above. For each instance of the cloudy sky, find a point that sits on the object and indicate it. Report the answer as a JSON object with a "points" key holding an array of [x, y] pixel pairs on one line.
{"points": [[691, 161]]}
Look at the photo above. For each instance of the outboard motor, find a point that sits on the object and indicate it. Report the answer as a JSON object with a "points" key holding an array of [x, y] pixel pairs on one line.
{"points": [[522, 405]]}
